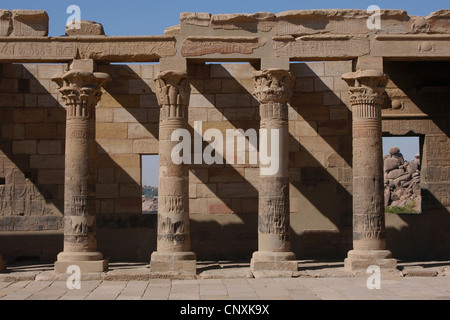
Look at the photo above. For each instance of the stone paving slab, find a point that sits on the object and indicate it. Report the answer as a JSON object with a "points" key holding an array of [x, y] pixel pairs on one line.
{"points": [[328, 282], [405, 288]]}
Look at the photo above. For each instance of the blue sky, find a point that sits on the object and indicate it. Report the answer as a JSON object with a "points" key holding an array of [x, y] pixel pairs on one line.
{"points": [[151, 17]]}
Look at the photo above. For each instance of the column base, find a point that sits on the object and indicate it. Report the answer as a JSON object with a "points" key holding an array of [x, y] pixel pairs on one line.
{"points": [[360, 260], [2, 265], [176, 263], [88, 262], [273, 263]]}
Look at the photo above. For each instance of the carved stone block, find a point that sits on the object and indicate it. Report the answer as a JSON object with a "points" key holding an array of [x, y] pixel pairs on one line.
{"points": [[85, 28], [30, 23], [5, 23]]}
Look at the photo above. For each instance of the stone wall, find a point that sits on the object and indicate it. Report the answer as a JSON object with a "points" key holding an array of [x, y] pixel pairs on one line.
{"points": [[32, 149], [418, 91]]}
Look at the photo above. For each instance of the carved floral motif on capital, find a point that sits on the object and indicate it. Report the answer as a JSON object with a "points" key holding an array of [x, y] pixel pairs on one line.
{"points": [[81, 91], [273, 85], [173, 88], [366, 87]]}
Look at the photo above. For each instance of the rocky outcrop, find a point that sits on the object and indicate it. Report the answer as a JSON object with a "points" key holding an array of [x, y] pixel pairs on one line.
{"points": [[401, 181]]}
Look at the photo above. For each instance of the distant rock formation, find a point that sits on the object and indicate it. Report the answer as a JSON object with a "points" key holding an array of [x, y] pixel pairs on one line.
{"points": [[401, 181], [149, 205]]}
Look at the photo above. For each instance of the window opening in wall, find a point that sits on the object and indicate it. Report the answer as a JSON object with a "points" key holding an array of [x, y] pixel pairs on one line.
{"points": [[149, 164], [402, 164]]}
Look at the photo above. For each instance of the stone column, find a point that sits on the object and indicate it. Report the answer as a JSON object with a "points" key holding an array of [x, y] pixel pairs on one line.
{"points": [[273, 89], [369, 242], [81, 91], [173, 253]]}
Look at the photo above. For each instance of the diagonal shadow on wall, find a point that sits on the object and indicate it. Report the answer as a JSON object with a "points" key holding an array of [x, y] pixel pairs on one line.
{"points": [[426, 84], [32, 165], [312, 181]]}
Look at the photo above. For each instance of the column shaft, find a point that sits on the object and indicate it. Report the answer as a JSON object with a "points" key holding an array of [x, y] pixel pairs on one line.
{"points": [[81, 91], [273, 212], [369, 240], [173, 253], [273, 89]]}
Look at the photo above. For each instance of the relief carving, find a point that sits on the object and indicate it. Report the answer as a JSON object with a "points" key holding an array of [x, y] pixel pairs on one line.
{"points": [[199, 46]]}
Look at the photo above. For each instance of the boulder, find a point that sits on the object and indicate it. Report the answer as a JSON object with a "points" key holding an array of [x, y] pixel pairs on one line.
{"points": [[394, 174], [391, 164]]}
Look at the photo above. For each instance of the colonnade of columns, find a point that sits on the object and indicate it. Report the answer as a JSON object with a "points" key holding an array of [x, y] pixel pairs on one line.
{"points": [[81, 90]]}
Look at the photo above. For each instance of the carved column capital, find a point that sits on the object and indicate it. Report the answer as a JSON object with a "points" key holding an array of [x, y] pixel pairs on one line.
{"points": [[273, 85], [366, 87], [172, 88], [81, 91]]}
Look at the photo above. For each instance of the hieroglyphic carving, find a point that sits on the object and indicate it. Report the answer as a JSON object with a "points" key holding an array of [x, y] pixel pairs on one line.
{"points": [[36, 50], [141, 48], [171, 204], [199, 46], [273, 218], [420, 45], [342, 46], [93, 47], [368, 226]]}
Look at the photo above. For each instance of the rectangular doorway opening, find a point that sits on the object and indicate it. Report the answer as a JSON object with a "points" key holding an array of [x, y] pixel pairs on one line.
{"points": [[402, 165], [149, 164]]}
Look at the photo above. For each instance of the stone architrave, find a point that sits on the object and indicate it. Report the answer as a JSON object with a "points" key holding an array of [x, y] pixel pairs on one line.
{"points": [[367, 89], [273, 90], [81, 91], [173, 253]]}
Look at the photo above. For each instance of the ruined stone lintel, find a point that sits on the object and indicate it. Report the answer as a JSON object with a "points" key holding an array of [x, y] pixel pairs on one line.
{"points": [[100, 48], [30, 23], [173, 263], [88, 262], [199, 46], [84, 27], [360, 260], [411, 46], [342, 46], [273, 86]]}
